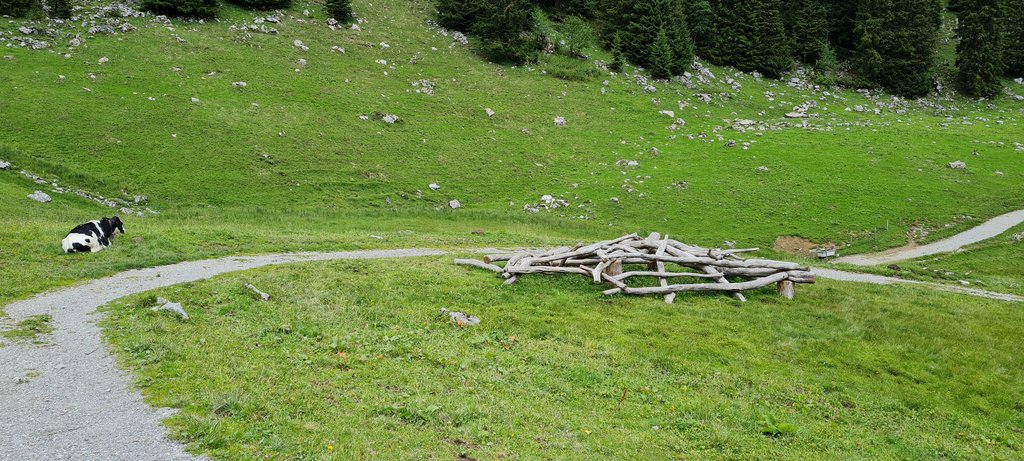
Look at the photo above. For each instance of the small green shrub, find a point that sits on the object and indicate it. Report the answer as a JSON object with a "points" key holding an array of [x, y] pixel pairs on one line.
{"points": [[16, 8], [59, 9], [181, 8], [340, 10], [578, 34]]}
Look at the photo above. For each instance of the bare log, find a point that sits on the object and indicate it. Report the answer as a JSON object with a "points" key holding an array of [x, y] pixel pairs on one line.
{"points": [[548, 270], [697, 287], [263, 296], [626, 275], [480, 264], [786, 289]]}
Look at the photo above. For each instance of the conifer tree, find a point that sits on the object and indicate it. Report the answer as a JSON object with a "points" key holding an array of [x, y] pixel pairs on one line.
{"points": [[505, 29], [616, 64], [661, 59], [340, 10], [16, 8], [896, 44], [752, 36], [808, 28], [458, 15], [979, 54], [642, 21], [700, 19], [1013, 37]]}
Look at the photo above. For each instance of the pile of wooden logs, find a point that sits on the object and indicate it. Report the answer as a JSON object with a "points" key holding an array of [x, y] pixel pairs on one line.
{"points": [[629, 258]]}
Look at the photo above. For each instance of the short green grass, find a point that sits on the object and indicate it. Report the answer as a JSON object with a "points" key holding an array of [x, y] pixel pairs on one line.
{"points": [[29, 329], [332, 180], [356, 363]]}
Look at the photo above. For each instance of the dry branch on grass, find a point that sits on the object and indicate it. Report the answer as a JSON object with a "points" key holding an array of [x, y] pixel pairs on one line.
{"points": [[604, 262]]}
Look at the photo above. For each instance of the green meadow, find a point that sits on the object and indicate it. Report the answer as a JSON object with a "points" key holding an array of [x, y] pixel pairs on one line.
{"points": [[355, 362]]}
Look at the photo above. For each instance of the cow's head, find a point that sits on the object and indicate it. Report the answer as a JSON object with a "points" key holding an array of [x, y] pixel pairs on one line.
{"points": [[115, 224]]}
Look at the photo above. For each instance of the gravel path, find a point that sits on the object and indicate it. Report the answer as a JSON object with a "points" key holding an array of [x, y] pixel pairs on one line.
{"points": [[67, 400], [844, 276], [985, 231]]}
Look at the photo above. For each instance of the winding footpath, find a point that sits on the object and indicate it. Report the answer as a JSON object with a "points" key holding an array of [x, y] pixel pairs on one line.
{"points": [[984, 231], [66, 399]]}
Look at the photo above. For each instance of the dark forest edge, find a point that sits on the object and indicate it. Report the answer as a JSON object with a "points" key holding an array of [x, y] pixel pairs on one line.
{"points": [[886, 44]]}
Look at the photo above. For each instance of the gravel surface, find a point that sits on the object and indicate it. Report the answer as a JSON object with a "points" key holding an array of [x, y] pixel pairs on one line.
{"points": [[985, 231], [66, 399]]}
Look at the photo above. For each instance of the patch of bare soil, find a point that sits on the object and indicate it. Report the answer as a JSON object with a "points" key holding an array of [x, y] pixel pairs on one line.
{"points": [[798, 245]]}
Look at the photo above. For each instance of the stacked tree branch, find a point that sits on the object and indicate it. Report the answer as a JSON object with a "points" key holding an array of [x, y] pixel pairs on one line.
{"points": [[678, 268]]}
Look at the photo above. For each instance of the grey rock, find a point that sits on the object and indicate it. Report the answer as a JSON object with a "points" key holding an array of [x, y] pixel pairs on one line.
{"points": [[40, 197], [957, 165], [239, 84], [461, 318], [165, 305], [454, 204], [560, 121], [762, 169], [4, 165]]}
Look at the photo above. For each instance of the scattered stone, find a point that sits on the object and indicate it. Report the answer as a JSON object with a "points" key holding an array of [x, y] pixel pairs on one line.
{"points": [[460, 38], [895, 267], [195, 99], [997, 173], [454, 204], [356, 27], [796, 115], [239, 84], [460, 318], [263, 296], [762, 169], [302, 62], [390, 119], [1018, 237], [165, 305], [4, 165], [26, 30], [559, 121], [704, 97], [489, 112], [424, 86], [364, 117], [964, 282], [40, 197], [103, 60], [957, 165], [434, 186], [338, 49], [730, 143], [668, 113], [302, 46]]}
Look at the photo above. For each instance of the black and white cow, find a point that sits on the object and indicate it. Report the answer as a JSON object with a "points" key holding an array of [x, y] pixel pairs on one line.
{"points": [[92, 236]]}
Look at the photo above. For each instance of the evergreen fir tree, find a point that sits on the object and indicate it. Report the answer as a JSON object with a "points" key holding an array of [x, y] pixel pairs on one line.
{"points": [[700, 19], [842, 16], [616, 64], [896, 47], [181, 8], [1013, 37], [458, 15], [661, 58], [642, 21], [340, 10], [808, 28], [505, 29], [59, 9], [979, 54], [752, 36], [16, 8]]}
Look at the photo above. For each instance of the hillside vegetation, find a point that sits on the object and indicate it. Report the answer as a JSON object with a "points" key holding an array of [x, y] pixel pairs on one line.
{"points": [[287, 162]]}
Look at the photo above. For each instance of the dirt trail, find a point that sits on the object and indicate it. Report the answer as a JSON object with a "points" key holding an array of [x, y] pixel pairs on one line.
{"points": [[67, 400], [985, 231]]}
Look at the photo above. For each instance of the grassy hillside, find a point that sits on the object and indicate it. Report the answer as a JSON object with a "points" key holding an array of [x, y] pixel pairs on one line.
{"points": [[287, 163], [357, 364]]}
